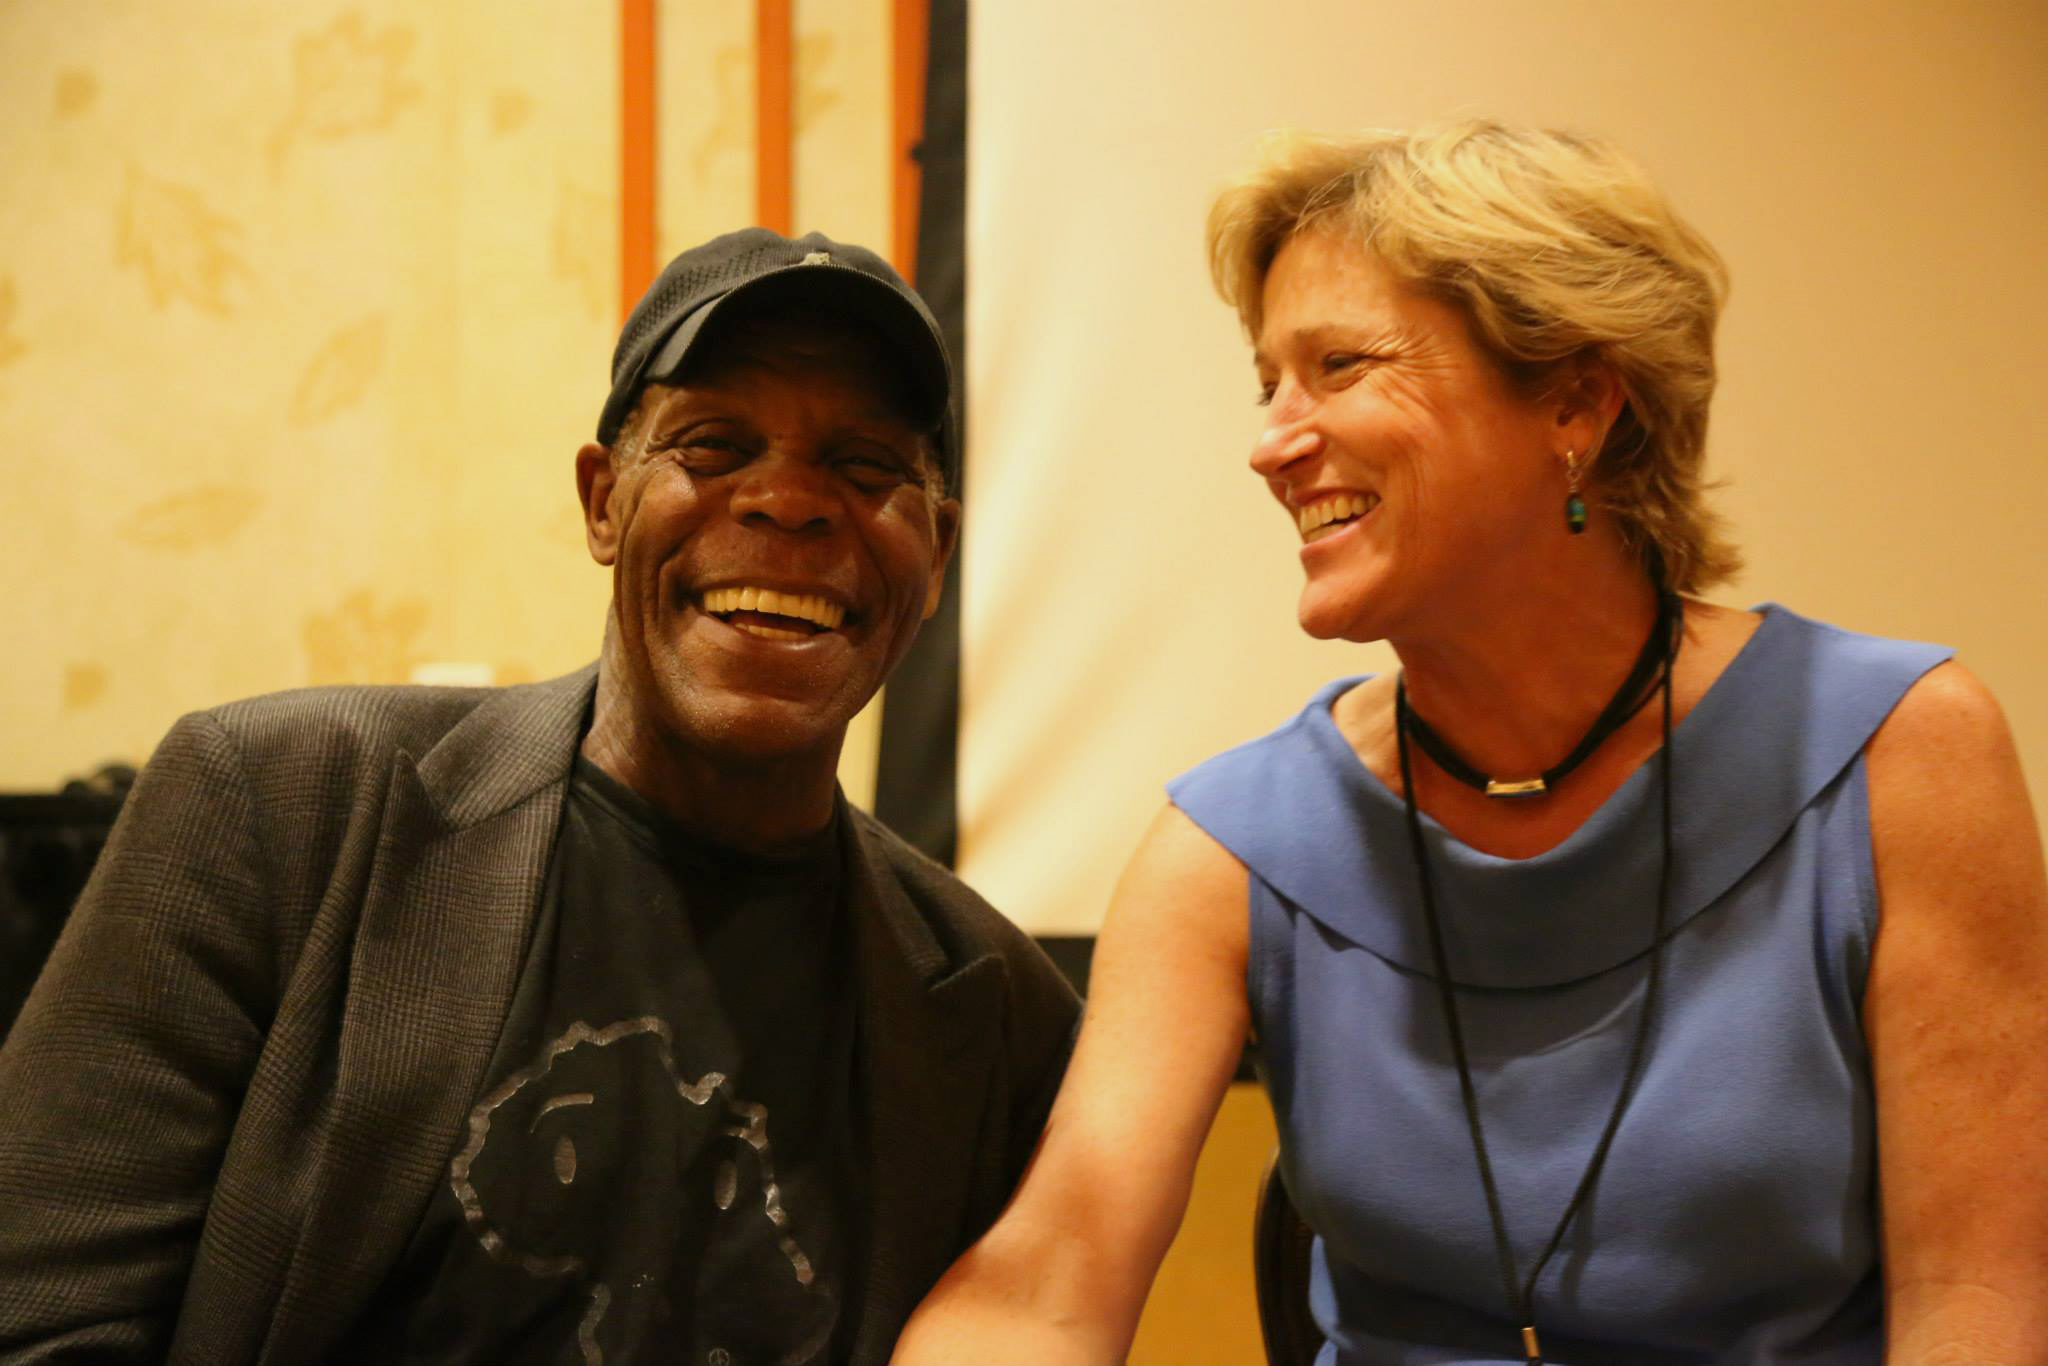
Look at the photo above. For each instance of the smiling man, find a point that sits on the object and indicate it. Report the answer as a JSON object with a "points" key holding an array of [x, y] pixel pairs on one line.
{"points": [[580, 1022]]}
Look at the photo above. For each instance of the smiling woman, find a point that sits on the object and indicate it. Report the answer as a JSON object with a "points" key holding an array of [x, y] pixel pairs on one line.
{"points": [[1557, 245], [1592, 957], [1398, 436]]}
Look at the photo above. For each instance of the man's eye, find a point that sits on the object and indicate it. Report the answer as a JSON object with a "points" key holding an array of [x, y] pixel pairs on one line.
{"points": [[703, 451], [1339, 361], [870, 470]]}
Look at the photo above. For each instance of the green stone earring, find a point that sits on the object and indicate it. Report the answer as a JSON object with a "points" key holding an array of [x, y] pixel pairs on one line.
{"points": [[1574, 506]]}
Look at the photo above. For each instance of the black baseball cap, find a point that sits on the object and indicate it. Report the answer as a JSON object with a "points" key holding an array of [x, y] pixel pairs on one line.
{"points": [[761, 266]]}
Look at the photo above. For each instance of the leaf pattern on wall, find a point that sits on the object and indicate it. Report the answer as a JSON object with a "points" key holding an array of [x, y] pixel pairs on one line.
{"points": [[346, 80], [813, 95], [192, 519], [732, 75], [84, 684], [341, 373], [76, 90], [12, 348], [363, 642], [180, 245], [585, 230]]}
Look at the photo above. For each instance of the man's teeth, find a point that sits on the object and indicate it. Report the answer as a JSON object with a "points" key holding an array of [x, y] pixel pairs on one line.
{"points": [[804, 606], [1336, 508]]}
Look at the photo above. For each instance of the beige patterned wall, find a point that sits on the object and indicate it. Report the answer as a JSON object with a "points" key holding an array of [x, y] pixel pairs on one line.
{"points": [[304, 308], [307, 308]]}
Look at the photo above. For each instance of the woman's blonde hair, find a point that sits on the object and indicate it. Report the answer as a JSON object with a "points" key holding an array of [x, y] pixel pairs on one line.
{"points": [[1553, 246]]}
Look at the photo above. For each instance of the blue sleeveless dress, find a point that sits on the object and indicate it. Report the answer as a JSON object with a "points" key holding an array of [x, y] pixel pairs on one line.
{"points": [[1736, 1219]]}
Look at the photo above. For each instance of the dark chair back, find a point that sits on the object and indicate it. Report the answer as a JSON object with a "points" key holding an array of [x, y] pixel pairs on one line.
{"points": [[48, 844], [1280, 1246]]}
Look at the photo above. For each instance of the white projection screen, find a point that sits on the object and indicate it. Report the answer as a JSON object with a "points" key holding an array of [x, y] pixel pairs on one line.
{"points": [[1874, 173]]}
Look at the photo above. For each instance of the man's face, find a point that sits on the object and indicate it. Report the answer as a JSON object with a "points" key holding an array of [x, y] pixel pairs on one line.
{"points": [[773, 541]]}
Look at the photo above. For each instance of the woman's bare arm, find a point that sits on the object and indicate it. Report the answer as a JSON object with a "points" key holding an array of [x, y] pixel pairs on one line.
{"points": [[1062, 1276], [1957, 1017]]}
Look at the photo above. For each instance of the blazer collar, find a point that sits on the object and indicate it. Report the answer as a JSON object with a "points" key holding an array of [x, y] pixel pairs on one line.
{"points": [[510, 746]]}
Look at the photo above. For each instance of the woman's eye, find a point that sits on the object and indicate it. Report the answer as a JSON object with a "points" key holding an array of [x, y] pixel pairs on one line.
{"points": [[1265, 397]]}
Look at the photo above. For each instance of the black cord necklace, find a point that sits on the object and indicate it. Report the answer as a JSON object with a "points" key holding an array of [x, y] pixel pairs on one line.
{"points": [[1635, 690], [1521, 1293]]}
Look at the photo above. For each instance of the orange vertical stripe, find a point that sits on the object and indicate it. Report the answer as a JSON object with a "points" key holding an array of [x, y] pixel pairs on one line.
{"points": [[636, 151], [908, 29], [774, 201]]}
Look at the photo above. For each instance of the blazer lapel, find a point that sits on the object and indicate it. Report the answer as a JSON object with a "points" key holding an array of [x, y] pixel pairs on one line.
{"points": [[460, 869], [927, 1031]]}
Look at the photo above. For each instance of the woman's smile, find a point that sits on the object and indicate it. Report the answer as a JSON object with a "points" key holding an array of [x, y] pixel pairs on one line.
{"points": [[1328, 515]]}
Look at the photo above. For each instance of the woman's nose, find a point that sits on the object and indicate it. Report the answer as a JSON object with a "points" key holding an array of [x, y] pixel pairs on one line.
{"points": [[1290, 433]]}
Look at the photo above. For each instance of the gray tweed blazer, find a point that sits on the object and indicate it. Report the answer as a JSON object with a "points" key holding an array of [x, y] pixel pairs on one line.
{"points": [[225, 1105]]}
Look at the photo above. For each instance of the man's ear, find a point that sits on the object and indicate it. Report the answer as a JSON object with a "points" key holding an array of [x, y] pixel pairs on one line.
{"points": [[946, 525], [596, 477]]}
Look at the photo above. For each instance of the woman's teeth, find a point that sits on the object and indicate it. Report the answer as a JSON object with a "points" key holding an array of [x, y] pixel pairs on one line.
{"points": [[1320, 518], [824, 615]]}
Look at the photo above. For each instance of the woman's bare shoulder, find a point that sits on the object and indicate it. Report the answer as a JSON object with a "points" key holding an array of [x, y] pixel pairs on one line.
{"points": [[1944, 773], [1952, 828], [1947, 706]]}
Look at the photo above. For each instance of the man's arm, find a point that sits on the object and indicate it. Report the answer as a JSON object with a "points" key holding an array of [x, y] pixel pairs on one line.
{"points": [[121, 1079], [1957, 1016], [1062, 1276]]}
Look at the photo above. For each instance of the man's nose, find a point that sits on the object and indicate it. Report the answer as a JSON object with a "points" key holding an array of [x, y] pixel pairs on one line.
{"points": [[1290, 432], [785, 490]]}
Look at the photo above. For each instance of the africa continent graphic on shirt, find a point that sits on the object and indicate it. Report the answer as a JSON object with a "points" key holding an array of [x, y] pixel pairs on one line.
{"points": [[556, 1165]]}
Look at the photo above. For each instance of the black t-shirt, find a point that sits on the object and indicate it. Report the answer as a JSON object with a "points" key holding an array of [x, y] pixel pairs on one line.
{"points": [[659, 1168]]}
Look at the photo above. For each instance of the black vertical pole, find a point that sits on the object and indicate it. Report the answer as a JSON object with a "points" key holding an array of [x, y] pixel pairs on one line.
{"points": [[916, 776]]}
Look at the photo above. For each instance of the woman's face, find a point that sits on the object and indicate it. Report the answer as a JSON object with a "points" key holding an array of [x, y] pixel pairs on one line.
{"points": [[1415, 475]]}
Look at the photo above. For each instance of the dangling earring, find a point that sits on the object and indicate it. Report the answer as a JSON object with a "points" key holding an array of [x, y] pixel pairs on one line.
{"points": [[1574, 506]]}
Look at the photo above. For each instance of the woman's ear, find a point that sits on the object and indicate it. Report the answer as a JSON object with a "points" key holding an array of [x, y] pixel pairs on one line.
{"points": [[1589, 399]]}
